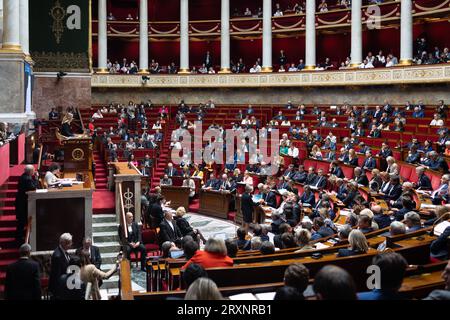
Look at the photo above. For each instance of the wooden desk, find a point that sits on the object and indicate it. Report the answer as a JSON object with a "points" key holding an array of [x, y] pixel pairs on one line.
{"points": [[178, 196], [214, 203], [57, 211]]}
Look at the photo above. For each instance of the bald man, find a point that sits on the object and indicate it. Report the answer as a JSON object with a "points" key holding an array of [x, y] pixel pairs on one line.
{"points": [[132, 242], [28, 181]]}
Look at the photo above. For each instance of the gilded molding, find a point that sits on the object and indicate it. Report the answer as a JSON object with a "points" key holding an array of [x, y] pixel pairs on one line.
{"points": [[349, 77]]}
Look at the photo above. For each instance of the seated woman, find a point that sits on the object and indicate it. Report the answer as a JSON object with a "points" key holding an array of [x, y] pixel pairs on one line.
{"points": [[52, 175], [90, 274], [248, 179], [284, 149], [189, 183], [214, 255], [352, 158], [358, 244], [303, 238], [184, 226], [157, 125], [316, 153], [132, 160], [65, 127]]}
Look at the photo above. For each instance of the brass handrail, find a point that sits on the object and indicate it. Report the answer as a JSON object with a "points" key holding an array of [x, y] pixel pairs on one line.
{"points": [[122, 212]]}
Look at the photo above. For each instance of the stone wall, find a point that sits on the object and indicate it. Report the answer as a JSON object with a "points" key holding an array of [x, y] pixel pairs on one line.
{"points": [[12, 96], [49, 92], [429, 93]]}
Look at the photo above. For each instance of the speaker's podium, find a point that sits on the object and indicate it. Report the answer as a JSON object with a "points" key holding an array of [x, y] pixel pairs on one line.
{"points": [[68, 208]]}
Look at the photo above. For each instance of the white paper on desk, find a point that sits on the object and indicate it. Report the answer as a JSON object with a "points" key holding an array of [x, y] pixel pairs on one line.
{"points": [[41, 190], [243, 296], [440, 227], [282, 191], [270, 235], [265, 296], [344, 212], [427, 206], [320, 245], [423, 192]]}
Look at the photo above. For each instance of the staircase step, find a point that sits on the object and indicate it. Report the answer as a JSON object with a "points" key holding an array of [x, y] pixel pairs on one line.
{"points": [[104, 226], [104, 218], [7, 232], [8, 221]]}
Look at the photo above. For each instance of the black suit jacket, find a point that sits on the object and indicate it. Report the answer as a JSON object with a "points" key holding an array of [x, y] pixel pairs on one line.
{"points": [[166, 233], [26, 183], [394, 192], [247, 205], [96, 258], [133, 236], [362, 179], [424, 182], [23, 281], [171, 173], [271, 199], [58, 268], [157, 213]]}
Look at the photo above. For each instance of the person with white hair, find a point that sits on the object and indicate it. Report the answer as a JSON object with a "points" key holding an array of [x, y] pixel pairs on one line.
{"points": [[423, 181], [132, 239], [412, 221], [358, 244], [28, 181], [59, 263]]}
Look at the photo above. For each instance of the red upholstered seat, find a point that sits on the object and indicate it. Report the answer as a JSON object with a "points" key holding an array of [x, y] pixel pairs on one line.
{"points": [[405, 172], [150, 240], [325, 166], [309, 163], [435, 181], [348, 172]]}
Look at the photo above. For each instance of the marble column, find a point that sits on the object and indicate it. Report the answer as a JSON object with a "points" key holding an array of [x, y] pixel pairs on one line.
{"points": [[24, 27], [11, 25], [102, 38], [184, 36], [143, 37], [406, 33], [356, 38], [225, 37], [267, 36], [310, 37]]}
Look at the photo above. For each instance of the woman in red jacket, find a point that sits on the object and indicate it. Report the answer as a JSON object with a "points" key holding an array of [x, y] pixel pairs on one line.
{"points": [[214, 255]]}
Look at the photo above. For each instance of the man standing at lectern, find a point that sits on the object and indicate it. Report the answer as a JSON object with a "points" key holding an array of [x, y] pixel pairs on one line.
{"points": [[28, 181]]}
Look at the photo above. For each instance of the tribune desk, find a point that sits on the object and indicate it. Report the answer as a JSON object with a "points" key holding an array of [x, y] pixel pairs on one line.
{"points": [[177, 195], [56, 211], [214, 203]]}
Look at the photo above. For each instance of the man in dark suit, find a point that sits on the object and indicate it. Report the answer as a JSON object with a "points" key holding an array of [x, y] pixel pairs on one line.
{"points": [[208, 60], [269, 198], [300, 175], [212, 183], [336, 170], [92, 251], [28, 181], [311, 177], [308, 197], [132, 241], [247, 206], [321, 180], [369, 163], [171, 171], [361, 177], [22, 278], [289, 172], [395, 189], [59, 263], [168, 230], [156, 212], [423, 182]]}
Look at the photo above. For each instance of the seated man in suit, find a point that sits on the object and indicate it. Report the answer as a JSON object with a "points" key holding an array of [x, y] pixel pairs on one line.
{"points": [[437, 163], [146, 165], [441, 192], [300, 175], [369, 163], [212, 183], [311, 178], [22, 277], [132, 242], [268, 197], [423, 182], [171, 171], [395, 188], [223, 184], [289, 172], [360, 177], [168, 230], [308, 197], [321, 180], [336, 170], [92, 251]]}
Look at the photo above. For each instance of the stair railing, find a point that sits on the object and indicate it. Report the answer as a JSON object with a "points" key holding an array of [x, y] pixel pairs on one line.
{"points": [[28, 230], [122, 219]]}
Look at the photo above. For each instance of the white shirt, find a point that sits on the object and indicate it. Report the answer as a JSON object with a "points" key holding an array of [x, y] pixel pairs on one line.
{"points": [[293, 152], [50, 178], [170, 224], [435, 122]]}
